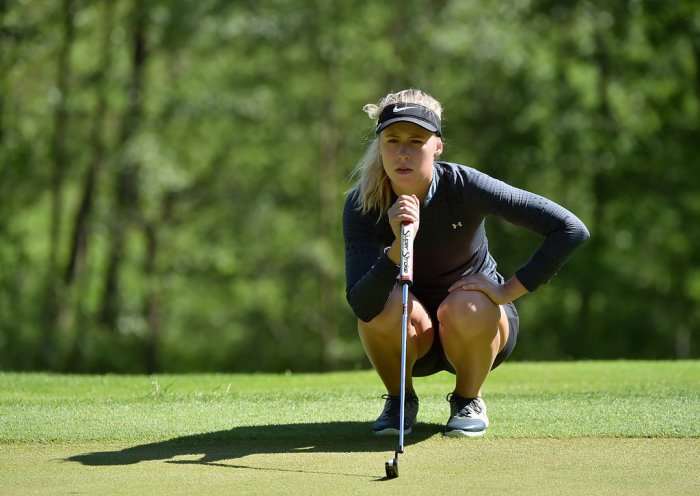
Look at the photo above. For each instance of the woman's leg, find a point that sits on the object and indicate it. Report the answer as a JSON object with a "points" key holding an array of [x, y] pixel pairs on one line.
{"points": [[381, 339], [473, 330]]}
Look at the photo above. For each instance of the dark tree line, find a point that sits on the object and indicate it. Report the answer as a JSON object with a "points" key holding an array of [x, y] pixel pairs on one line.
{"points": [[172, 172]]}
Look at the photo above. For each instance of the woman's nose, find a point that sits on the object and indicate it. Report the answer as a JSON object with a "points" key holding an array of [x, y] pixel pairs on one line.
{"points": [[402, 153]]}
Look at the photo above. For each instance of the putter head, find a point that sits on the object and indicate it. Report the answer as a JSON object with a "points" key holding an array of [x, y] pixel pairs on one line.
{"points": [[392, 468]]}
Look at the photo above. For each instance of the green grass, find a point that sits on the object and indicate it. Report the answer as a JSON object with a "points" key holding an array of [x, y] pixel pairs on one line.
{"points": [[571, 428]]}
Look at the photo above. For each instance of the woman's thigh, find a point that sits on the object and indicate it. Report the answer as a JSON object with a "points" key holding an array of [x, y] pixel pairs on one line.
{"points": [[435, 360], [388, 324]]}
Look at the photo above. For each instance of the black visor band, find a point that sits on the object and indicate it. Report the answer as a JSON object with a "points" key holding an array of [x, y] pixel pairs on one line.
{"points": [[409, 112]]}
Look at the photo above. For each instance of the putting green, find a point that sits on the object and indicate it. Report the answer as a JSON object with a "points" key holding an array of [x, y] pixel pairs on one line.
{"points": [[563, 428], [431, 466]]}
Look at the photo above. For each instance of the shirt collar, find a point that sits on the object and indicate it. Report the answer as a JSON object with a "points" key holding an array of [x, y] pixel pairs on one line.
{"points": [[433, 185]]}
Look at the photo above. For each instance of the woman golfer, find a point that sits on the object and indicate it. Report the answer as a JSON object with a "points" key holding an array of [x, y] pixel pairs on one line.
{"points": [[461, 316]]}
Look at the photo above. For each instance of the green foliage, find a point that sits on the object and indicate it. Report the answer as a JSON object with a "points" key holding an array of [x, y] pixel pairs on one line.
{"points": [[209, 144]]}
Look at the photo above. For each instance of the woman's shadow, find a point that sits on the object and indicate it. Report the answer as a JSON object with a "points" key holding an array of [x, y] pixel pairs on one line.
{"points": [[212, 448]]}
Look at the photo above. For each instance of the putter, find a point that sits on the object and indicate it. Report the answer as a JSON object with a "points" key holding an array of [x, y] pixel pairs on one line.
{"points": [[406, 275]]}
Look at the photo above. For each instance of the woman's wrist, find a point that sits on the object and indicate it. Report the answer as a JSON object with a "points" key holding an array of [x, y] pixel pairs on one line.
{"points": [[392, 252], [514, 288]]}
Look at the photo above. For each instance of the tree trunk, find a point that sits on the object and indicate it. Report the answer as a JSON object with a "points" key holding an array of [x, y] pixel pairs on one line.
{"points": [[59, 158], [79, 238], [74, 274], [126, 182]]}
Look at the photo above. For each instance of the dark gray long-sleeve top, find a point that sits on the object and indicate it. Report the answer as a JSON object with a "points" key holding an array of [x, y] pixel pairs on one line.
{"points": [[451, 241]]}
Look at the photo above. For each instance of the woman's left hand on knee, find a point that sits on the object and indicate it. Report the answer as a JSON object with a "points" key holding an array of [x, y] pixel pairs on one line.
{"points": [[481, 282]]}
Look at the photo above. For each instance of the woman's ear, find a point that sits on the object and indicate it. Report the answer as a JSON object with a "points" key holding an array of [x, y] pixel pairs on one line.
{"points": [[438, 149]]}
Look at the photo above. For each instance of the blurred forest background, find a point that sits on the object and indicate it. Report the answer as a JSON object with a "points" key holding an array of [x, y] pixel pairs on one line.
{"points": [[172, 173]]}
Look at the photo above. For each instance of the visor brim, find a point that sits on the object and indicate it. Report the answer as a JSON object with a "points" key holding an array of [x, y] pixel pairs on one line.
{"points": [[414, 120]]}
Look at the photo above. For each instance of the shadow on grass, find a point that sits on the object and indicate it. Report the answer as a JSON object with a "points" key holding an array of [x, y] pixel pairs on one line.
{"points": [[214, 448]]}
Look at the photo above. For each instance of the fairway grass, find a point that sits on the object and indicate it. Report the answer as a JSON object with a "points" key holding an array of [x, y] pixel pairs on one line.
{"points": [[566, 428]]}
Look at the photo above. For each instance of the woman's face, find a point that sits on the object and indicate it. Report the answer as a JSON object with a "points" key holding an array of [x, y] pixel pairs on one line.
{"points": [[408, 152]]}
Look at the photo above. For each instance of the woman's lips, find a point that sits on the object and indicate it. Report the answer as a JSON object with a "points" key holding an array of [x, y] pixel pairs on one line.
{"points": [[402, 171]]}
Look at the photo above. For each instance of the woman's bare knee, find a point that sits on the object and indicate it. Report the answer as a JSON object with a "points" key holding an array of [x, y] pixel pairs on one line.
{"points": [[469, 313], [388, 322]]}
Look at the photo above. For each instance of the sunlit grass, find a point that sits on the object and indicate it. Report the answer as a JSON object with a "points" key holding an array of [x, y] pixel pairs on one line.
{"points": [[580, 399], [570, 428]]}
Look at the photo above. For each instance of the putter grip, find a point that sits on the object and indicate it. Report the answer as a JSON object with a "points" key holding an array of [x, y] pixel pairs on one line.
{"points": [[406, 272]]}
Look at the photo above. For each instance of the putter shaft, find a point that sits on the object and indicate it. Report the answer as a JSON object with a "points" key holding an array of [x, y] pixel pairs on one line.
{"points": [[404, 332], [406, 276]]}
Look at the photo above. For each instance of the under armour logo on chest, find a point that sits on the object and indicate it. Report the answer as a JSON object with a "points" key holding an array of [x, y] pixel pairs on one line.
{"points": [[455, 226]]}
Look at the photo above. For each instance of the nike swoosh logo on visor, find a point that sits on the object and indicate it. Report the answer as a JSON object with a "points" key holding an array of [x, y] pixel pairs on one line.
{"points": [[396, 109]]}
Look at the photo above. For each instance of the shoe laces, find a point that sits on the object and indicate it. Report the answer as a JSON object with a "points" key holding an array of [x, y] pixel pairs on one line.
{"points": [[392, 407], [464, 407]]}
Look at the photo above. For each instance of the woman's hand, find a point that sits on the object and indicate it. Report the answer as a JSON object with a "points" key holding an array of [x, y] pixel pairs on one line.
{"points": [[405, 209], [500, 294]]}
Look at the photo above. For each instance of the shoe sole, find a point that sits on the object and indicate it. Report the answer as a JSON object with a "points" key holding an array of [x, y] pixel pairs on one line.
{"points": [[394, 432], [458, 433]]}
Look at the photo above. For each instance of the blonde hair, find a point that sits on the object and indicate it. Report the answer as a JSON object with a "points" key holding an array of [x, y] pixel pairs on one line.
{"points": [[372, 185]]}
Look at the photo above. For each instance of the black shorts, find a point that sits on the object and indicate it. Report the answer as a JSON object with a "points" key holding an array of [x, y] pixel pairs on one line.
{"points": [[435, 360]]}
